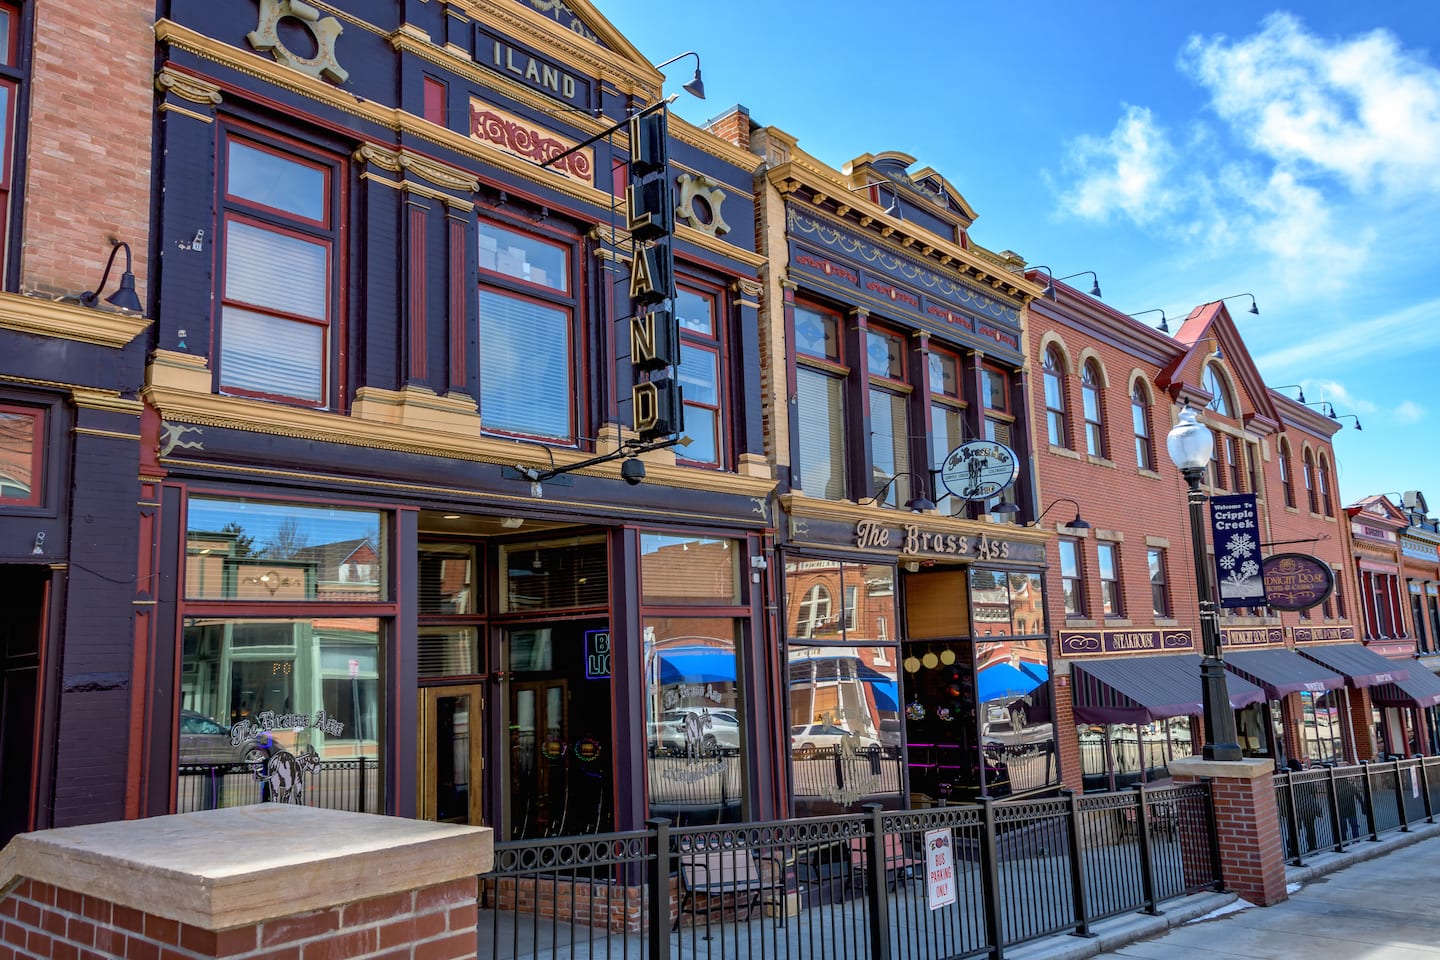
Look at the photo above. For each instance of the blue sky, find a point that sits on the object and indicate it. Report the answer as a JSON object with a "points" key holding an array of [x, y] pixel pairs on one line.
{"points": [[1184, 152]]}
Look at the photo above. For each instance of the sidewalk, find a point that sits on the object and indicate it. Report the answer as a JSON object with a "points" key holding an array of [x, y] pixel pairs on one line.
{"points": [[1379, 901]]}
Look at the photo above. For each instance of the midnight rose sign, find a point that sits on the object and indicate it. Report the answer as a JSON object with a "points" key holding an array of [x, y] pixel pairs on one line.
{"points": [[1235, 530]]}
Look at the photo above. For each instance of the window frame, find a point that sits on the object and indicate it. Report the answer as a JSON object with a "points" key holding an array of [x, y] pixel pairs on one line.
{"points": [[39, 450], [949, 404], [1160, 600], [1076, 578], [830, 368], [1144, 433], [1214, 383], [327, 232], [1112, 591], [1287, 474], [897, 389], [1056, 416], [1310, 493], [13, 77], [1092, 392], [568, 301], [714, 344], [1322, 476]]}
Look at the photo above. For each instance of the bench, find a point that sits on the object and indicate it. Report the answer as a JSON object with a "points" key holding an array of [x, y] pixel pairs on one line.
{"points": [[899, 864], [736, 873]]}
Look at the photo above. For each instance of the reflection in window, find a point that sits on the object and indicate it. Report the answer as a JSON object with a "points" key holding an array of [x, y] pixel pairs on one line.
{"points": [[287, 710], [694, 726], [262, 551], [691, 570], [21, 433], [1115, 756], [554, 574], [844, 718]]}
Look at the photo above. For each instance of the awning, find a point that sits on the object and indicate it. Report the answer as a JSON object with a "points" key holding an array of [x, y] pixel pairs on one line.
{"points": [[1280, 672], [1420, 689], [697, 664], [887, 695], [1001, 681], [1142, 689], [1361, 667]]}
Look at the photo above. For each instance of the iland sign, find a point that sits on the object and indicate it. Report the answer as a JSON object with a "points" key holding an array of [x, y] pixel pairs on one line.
{"points": [[1235, 530], [1081, 642], [1294, 581]]}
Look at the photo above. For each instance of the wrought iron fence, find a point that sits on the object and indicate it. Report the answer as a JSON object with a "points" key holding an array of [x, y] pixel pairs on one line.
{"points": [[851, 886], [351, 784], [1331, 808]]}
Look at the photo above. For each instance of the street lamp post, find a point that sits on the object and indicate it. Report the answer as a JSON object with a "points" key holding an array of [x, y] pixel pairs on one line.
{"points": [[1190, 446]]}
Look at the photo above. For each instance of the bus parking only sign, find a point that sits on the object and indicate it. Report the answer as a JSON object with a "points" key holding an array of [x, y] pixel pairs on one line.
{"points": [[939, 868]]}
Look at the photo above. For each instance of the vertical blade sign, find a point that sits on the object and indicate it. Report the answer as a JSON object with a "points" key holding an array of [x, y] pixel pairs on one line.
{"points": [[655, 400]]}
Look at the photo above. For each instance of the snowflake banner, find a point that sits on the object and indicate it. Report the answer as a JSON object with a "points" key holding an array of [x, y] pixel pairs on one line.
{"points": [[1235, 530]]}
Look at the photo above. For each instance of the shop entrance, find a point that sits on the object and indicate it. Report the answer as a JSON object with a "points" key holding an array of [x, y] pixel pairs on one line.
{"points": [[450, 758], [22, 594]]}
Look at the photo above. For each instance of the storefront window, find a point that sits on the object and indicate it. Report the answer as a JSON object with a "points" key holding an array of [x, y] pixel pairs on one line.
{"points": [[1115, 756], [22, 433], [554, 574], [1320, 719], [287, 710], [694, 720], [689, 570], [259, 551]]}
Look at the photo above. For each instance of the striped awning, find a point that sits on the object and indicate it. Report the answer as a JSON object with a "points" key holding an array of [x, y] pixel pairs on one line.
{"points": [[1420, 689], [1142, 689], [1362, 667], [1280, 672]]}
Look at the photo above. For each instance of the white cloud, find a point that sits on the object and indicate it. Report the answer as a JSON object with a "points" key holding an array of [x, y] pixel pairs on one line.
{"points": [[1361, 109], [1408, 412], [1124, 171], [1396, 333]]}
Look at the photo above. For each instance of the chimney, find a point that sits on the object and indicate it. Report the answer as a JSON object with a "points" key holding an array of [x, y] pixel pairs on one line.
{"points": [[732, 125]]}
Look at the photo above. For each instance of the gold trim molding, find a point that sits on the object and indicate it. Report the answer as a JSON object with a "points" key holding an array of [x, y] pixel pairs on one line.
{"points": [[187, 87], [69, 321]]}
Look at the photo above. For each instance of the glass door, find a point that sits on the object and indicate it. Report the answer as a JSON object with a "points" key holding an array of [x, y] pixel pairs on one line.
{"points": [[539, 758], [451, 761]]}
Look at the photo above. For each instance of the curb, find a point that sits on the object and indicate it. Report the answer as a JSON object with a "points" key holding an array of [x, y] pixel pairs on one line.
{"points": [[1116, 932], [1322, 864]]}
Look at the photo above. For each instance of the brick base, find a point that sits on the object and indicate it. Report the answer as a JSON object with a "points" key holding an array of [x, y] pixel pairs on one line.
{"points": [[1247, 821], [39, 921]]}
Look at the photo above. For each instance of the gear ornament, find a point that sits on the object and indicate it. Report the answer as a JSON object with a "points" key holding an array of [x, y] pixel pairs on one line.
{"points": [[706, 217], [266, 38]]}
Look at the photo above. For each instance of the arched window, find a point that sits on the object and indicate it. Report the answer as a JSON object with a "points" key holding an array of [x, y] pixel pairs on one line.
{"points": [[1094, 412], [1310, 482], [1054, 369], [1323, 471], [1287, 478], [814, 610], [1220, 396], [1140, 414]]}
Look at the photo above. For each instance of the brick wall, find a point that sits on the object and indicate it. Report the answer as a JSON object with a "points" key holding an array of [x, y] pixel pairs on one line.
{"points": [[87, 176], [1247, 823], [38, 920]]}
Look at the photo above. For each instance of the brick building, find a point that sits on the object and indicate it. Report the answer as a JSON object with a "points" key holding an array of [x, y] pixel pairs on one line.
{"points": [[1121, 568], [74, 183]]}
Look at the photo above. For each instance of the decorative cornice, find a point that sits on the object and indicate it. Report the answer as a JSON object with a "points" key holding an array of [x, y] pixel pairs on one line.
{"points": [[402, 160], [69, 321], [88, 398], [187, 87], [798, 505], [449, 433]]}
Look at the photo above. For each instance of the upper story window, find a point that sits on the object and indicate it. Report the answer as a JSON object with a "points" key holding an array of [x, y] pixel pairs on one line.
{"points": [[947, 418], [1159, 585], [1144, 440], [1055, 418], [1232, 462], [814, 611], [1094, 410], [995, 397], [22, 444], [1310, 492], [10, 80], [889, 419], [1322, 470], [279, 316], [1287, 478], [1252, 462], [527, 335], [1112, 601], [700, 375], [820, 390], [1220, 394], [1072, 582], [1217, 474]]}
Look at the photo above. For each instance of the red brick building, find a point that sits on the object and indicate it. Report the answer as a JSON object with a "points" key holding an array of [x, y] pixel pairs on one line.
{"points": [[1124, 611]]}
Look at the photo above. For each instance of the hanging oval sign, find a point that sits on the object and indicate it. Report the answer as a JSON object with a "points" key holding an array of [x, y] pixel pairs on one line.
{"points": [[979, 469], [1296, 581]]}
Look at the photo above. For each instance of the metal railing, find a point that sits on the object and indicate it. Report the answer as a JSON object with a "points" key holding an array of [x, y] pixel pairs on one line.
{"points": [[352, 784], [1331, 808], [851, 886]]}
